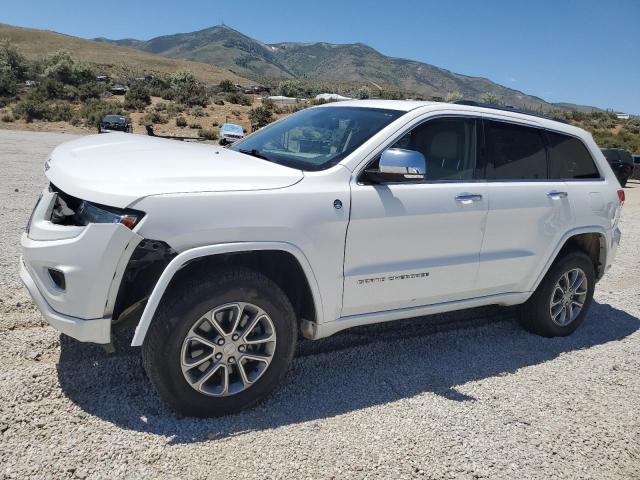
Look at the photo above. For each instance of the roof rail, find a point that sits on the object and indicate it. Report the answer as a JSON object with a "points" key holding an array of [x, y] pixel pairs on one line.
{"points": [[508, 108]]}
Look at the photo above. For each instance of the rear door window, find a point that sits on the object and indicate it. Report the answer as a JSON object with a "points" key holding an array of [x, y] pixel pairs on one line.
{"points": [[569, 159], [514, 152]]}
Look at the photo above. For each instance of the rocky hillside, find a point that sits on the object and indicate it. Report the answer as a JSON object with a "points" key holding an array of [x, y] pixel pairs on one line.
{"points": [[228, 48]]}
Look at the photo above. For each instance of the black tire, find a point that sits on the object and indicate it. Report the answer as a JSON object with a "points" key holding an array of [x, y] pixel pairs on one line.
{"points": [[623, 182], [535, 315], [199, 294]]}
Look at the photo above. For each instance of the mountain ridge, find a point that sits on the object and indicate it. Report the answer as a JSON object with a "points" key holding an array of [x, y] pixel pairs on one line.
{"points": [[226, 47]]}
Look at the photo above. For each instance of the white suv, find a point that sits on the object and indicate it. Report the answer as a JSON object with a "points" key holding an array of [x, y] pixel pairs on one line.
{"points": [[341, 215]]}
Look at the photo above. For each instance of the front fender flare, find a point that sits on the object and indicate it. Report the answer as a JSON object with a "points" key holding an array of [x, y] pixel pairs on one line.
{"points": [[209, 250]]}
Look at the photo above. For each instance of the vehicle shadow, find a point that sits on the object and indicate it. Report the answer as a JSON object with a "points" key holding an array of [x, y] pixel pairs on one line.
{"points": [[356, 369]]}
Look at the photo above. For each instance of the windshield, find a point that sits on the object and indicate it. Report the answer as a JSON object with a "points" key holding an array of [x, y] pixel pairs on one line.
{"points": [[317, 138], [232, 128], [114, 119]]}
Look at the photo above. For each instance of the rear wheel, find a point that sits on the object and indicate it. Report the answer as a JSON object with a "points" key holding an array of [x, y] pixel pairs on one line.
{"points": [[562, 300], [221, 344]]}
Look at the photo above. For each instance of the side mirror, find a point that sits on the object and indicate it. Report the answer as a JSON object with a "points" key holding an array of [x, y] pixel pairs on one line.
{"points": [[403, 164]]}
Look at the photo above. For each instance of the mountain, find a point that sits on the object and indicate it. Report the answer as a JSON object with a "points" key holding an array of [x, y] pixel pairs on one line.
{"points": [[111, 59], [227, 48]]}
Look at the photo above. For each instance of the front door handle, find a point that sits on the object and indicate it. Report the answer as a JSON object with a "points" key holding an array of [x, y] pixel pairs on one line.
{"points": [[467, 198], [557, 195]]}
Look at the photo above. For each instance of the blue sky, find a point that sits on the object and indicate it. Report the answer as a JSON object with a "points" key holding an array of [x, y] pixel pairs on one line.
{"points": [[585, 52]]}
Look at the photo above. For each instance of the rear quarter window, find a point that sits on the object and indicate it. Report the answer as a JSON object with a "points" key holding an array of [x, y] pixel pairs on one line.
{"points": [[569, 159]]}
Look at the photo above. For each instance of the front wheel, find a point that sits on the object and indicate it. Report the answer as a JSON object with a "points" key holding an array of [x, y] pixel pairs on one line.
{"points": [[562, 300], [221, 343]]}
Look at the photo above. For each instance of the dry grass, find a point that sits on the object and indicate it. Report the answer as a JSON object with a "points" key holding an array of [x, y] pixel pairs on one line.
{"points": [[111, 59]]}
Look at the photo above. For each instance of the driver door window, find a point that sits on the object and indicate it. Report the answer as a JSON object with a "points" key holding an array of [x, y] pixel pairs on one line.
{"points": [[448, 145]]}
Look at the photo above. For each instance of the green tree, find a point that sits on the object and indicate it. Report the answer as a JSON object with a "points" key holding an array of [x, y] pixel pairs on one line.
{"points": [[137, 97], [62, 67], [363, 93], [227, 86], [491, 98], [260, 116], [13, 68], [452, 97], [187, 89]]}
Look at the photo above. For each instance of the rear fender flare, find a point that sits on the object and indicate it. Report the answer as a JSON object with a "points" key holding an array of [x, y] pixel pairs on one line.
{"points": [[576, 231]]}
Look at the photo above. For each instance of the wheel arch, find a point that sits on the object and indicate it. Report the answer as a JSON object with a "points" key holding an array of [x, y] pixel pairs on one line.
{"points": [[590, 240], [290, 255]]}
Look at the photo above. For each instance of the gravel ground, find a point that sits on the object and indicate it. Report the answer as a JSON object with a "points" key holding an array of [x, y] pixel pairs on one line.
{"points": [[466, 395]]}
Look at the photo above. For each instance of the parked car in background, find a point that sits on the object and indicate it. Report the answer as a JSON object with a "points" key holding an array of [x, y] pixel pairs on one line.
{"points": [[117, 123], [341, 215], [230, 133], [621, 162]]}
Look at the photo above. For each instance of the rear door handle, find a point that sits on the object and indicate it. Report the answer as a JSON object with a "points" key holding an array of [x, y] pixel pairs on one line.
{"points": [[557, 195], [467, 198]]}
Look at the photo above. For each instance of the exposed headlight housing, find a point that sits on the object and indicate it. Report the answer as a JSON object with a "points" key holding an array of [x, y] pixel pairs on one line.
{"points": [[88, 212]]}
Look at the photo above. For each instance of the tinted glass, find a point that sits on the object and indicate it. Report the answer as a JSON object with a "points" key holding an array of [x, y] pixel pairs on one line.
{"points": [[569, 158], [515, 152], [317, 138], [448, 146], [625, 156], [610, 154]]}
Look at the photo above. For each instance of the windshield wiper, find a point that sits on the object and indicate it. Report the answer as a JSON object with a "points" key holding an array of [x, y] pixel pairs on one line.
{"points": [[254, 153]]}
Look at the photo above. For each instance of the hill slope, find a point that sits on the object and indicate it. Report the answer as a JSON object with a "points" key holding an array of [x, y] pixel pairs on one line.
{"points": [[226, 47], [113, 59]]}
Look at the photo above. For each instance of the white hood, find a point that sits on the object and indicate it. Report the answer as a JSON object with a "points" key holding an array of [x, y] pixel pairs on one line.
{"points": [[117, 168]]}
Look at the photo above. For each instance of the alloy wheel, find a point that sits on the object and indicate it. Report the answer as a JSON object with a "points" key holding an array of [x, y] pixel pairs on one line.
{"points": [[568, 297], [228, 349]]}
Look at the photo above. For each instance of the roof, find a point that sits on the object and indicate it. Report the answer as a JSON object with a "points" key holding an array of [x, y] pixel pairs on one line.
{"points": [[408, 105]]}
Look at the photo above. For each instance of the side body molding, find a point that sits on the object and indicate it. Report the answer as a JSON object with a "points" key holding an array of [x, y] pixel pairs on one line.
{"points": [[179, 261]]}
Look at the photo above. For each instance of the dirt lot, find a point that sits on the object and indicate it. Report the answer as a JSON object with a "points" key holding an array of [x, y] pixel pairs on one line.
{"points": [[468, 395]]}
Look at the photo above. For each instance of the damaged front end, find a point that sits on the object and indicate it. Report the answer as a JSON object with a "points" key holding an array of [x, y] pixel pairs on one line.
{"points": [[146, 264], [85, 266]]}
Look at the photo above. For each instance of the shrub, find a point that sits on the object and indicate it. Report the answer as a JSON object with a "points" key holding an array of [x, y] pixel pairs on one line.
{"points": [[153, 118], [238, 98], [62, 67], [260, 116], [13, 68], [218, 101], [33, 107], [208, 134], [94, 110], [86, 91], [363, 93], [195, 125], [453, 97], [137, 97], [174, 108], [7, 117], [292, 88], [236, 113], [160, 107], [181, 122], [159, 87], [187, 89], [490, 98], [198, 111], [61, 112], [227, 86]]}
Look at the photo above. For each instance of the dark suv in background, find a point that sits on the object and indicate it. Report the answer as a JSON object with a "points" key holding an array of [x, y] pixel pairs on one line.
{"points": [[621, 162], [118, 123]]}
